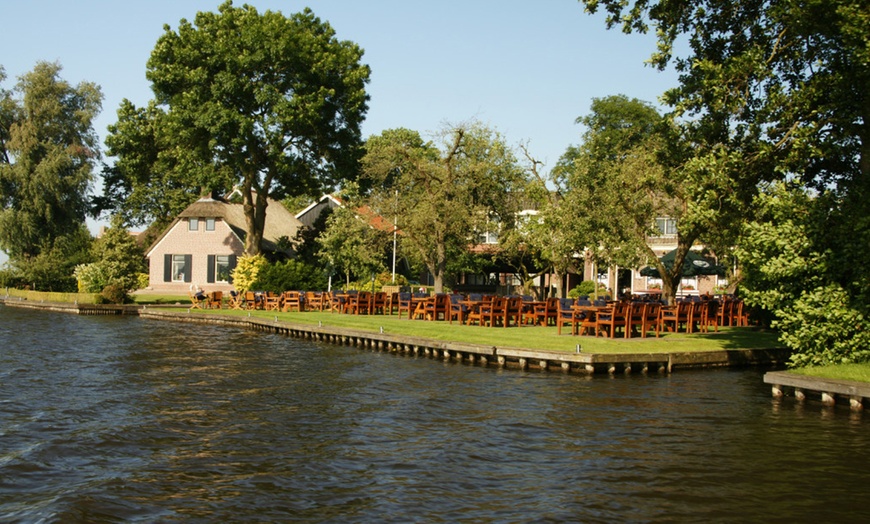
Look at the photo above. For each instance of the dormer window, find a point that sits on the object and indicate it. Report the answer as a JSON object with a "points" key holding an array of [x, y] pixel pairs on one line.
{"points": [[193, 224], [209, 224]]}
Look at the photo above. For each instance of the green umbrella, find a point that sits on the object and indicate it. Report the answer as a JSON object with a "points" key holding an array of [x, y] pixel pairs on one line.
{"points": [[693, 265]]}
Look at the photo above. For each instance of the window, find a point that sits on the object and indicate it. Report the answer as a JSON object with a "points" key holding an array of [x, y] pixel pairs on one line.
{"points": [[179, 268], [667, 226], [209, 224], [488, 238], [193, 224], [222, 268], [219, 268]]}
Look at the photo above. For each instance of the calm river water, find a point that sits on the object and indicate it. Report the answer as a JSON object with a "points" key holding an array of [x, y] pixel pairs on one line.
{"points": [[110, 419]]}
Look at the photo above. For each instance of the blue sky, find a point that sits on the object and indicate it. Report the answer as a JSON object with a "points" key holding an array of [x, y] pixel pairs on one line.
{"points": [[525, 68]]}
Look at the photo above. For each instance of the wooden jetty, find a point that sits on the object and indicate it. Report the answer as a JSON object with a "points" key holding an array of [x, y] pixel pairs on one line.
{"points": [[828, 390]]}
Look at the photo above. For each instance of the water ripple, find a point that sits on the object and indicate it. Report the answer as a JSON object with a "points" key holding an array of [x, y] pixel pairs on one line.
{"points": [[125, 420]]}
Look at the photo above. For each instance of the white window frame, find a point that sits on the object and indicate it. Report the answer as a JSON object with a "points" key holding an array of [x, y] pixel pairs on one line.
{"points": [[178, 267], [218, 264]]}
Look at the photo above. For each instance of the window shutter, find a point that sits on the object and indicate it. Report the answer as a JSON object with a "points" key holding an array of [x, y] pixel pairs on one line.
{"points": [[188, 267], [210, 271], [233, 259], [167, 268]]}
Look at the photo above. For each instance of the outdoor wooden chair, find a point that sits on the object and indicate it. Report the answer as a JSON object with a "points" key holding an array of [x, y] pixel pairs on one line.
{"points": [[291, 300], [215, 300], [458, 310], [513, 313], [272, 301], [403, 303], [359, 303], [711, 317], [611, 318], [567, 315], [196, 303], [379, 303], [669, 318], [634, 318], [493, 312], [545, 314], [236, 300], [650, 318], [437, 307]]}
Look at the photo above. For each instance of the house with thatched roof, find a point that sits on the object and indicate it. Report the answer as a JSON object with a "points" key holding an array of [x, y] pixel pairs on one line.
{"points": [[201, 246]]}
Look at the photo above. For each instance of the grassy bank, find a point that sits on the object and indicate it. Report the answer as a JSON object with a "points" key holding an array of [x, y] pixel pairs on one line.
{"points": [[531, 337], [50, 296], [856, 372]]}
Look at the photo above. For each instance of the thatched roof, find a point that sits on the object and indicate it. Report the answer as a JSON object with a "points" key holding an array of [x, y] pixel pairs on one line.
{"points": [[279, 221]]}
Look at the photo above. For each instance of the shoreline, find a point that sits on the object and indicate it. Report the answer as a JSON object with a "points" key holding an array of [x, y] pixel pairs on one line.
{"points": [[478, 354]]}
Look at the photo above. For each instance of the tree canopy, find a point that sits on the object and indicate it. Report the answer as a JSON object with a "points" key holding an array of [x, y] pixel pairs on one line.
{"points": [[47, 153], [48, 149], [777, 91], [270, 103], [443, 195]]}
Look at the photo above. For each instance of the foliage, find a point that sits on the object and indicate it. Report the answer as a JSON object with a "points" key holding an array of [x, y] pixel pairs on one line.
{"points": [[780, 90], [787, 275], [119, 261], [52, 269], [91, 278], [630, 170], [587, 288], [272, 104], [247, 271], [354, 242], [114, 294], [381, 280], [442, 196], [290, 275], [47, 151], [549, 239]]}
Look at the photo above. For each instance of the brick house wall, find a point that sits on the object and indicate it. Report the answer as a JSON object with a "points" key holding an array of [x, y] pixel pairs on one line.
{"points": [[199, 245]]}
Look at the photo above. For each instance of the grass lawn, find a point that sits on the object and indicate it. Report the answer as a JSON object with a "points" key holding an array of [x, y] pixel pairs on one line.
{"points": [[856, 372], [148, 298], [528, 337]]}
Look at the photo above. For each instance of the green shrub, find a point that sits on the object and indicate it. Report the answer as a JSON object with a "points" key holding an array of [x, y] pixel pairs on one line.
{"points": [[587, 288], [114, 294], [247, 269], [381, 280], [822, 328], [290, 275]]}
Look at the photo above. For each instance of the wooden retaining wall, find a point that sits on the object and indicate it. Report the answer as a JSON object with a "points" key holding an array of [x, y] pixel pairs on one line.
{"points": [[501, 356], [829, 391]]}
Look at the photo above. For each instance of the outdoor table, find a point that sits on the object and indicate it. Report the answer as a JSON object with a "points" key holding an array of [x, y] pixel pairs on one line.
{"points": [[473, 308], [591, 313], [417, 305]]}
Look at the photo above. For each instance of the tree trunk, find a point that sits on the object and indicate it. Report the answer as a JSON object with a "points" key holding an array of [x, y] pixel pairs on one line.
{"points": [[558, 279], [255, 220]]}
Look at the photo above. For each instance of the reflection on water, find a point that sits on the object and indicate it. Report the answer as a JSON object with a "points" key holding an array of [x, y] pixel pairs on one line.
{"points": [[123, 419]]}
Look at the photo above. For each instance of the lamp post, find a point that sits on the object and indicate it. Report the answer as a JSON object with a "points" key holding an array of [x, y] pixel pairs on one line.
{"points": [[395, 229]]}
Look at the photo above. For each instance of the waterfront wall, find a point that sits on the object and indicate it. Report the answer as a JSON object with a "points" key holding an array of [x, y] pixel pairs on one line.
{"points": [[502, 356]]}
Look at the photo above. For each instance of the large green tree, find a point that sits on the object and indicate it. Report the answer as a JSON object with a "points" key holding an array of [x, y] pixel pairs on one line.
{"points": [[776, 91], [272, 103], [47, 153], [353, 244], [48, 149], [443, 194], [632, 168]]}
